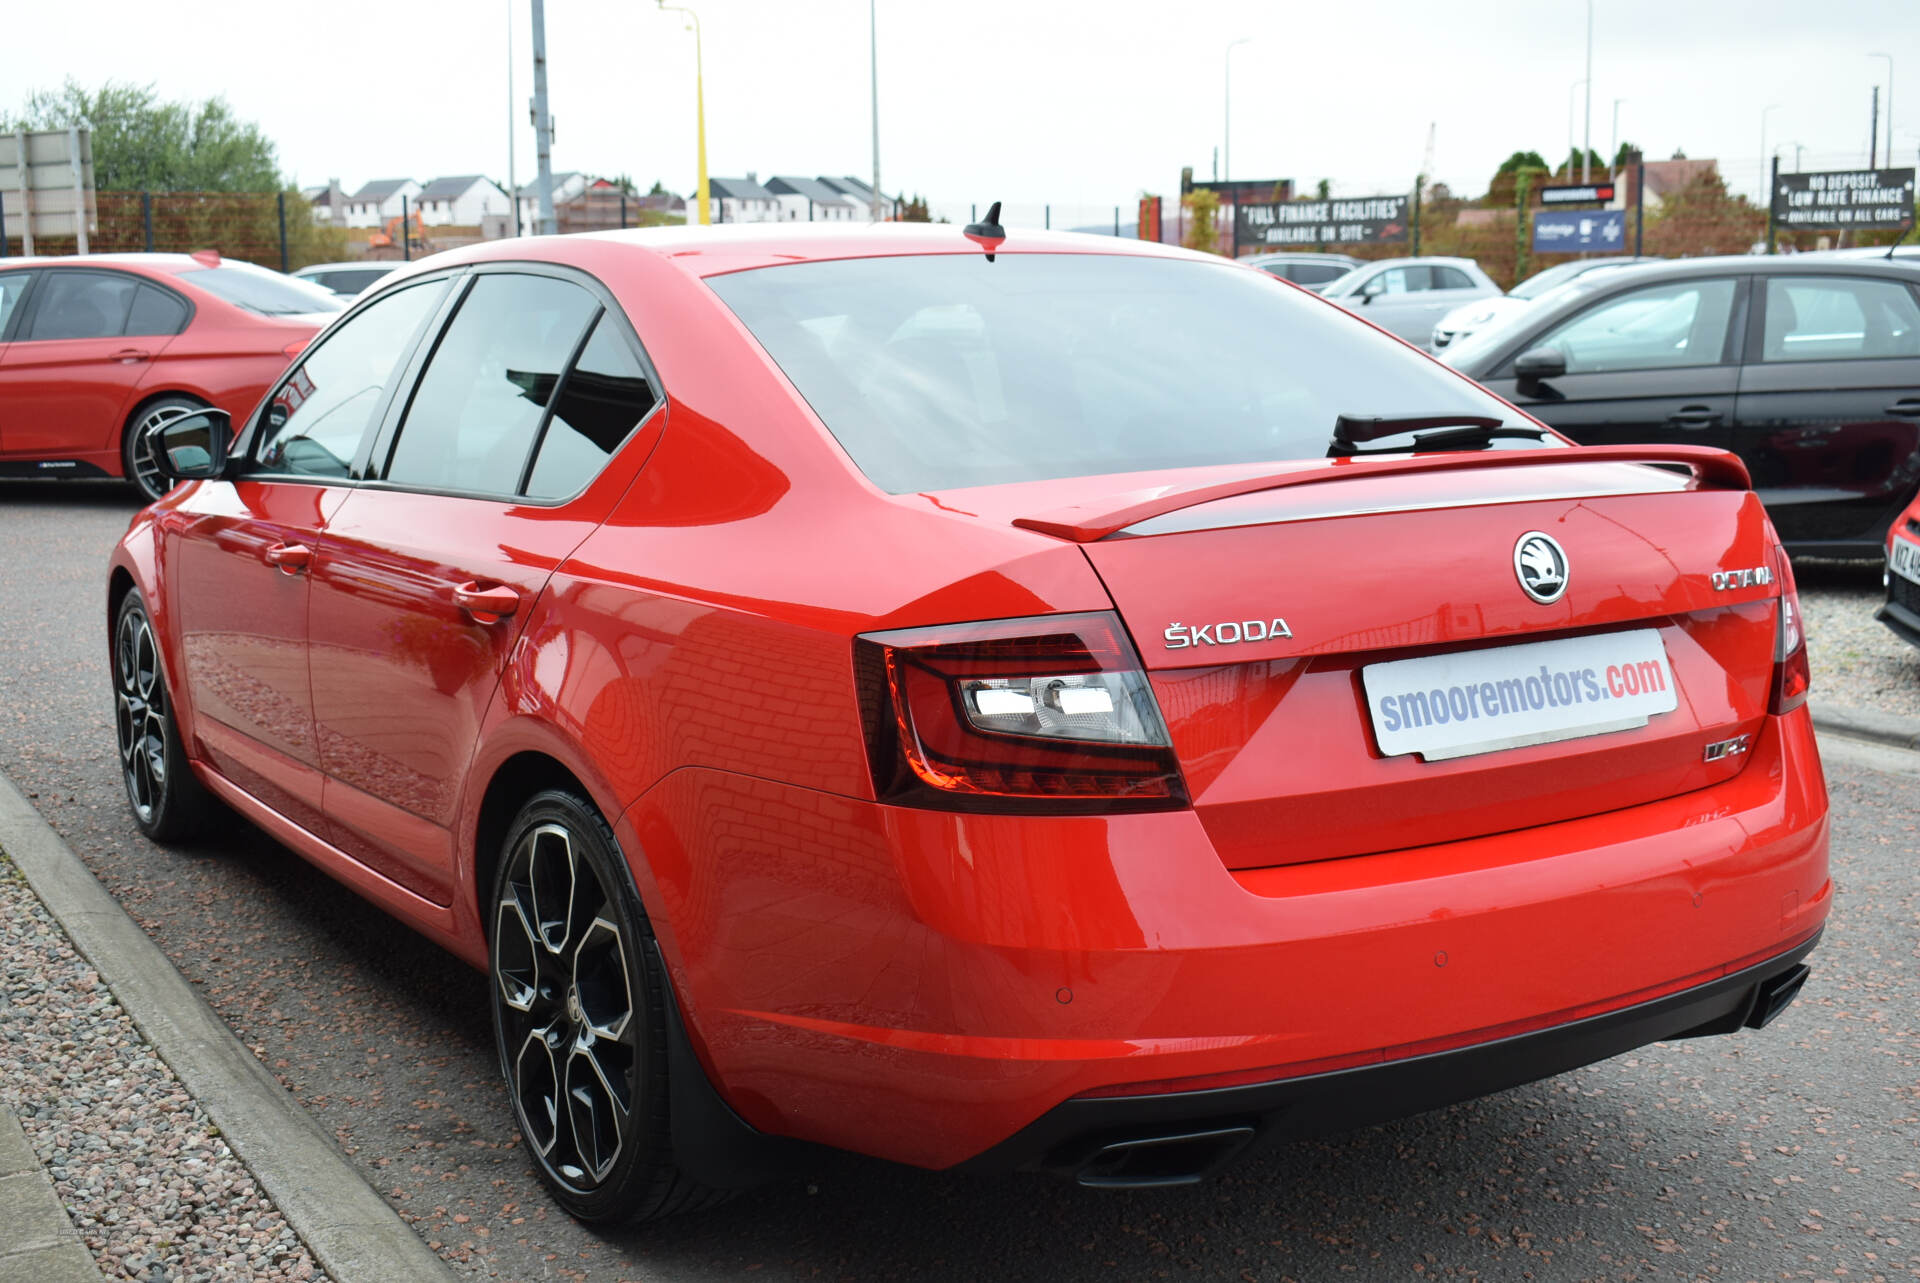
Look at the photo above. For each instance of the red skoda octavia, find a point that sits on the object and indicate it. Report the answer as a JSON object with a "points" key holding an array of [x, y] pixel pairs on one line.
{"points": [[990, 700]]}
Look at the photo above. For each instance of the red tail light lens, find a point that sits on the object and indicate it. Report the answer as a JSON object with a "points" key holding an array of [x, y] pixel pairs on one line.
{"points": [[1043, 715], [1792, 676]]}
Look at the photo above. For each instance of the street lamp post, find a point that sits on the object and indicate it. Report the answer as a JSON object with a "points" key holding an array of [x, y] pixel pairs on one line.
{"points": [[513, 116], [1614, 151], [873, 68], [1586, 144], [542, 124], [699, 110], [1570, 88], [1889, 58], [1226, 124], [1766, 197]]}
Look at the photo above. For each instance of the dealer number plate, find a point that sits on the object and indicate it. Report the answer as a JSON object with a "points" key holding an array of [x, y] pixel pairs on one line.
{"points": [[1904, 559]]}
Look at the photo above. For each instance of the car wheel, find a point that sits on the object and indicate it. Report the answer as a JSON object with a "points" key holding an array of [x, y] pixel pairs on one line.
{"points": [[579, 1017], [169, 802], [136, 450]]}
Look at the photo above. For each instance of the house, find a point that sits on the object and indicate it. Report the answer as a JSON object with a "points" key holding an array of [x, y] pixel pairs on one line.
{"points": [[808, 200], [603, 206], [742, 200], [566, 186], [328, 204], [380, 200], [862, 195], [1664, 178], [460, 201]]}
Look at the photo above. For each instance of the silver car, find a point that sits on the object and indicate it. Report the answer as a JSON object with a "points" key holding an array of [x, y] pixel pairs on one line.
{"points": [[1408, 295], [1477, 315], [1309, 271], [346, 279]]}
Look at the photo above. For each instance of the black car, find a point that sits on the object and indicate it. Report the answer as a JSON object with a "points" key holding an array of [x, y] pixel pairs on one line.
{"points": [[1806, 367]]}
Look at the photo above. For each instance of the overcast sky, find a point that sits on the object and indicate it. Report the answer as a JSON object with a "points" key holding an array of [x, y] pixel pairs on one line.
{"points": [[1079, 103]]}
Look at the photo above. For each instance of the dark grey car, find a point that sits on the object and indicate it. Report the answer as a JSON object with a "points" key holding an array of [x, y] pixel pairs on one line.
{"points": [[1807, 368]]}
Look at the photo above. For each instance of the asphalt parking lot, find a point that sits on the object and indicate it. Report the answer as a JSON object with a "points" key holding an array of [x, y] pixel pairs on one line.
{"points": [[1788, 1153]]}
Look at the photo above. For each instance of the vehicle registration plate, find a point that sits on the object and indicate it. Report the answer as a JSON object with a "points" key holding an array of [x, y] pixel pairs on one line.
{"points": [[1903, 559], [1481, 701]]}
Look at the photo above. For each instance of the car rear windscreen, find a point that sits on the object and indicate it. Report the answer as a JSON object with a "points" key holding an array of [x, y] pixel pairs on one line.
{"points": [[941, 371], [258, 290]]}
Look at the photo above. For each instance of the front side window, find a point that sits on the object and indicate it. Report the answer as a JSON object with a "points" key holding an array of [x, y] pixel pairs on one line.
{"points": [[1399, 280], [475, 414], [314, 424], [1837, 318], [944, 370], [1658, 327], [13, 288], [82, 305]]}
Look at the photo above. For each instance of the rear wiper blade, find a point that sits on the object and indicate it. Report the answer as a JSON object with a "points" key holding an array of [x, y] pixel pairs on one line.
{"points": [[1430, 432]]}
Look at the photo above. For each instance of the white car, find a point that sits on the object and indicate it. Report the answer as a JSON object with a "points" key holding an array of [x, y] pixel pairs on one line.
{"points": [[1480, 313], [1407, 295], [346, 279]]}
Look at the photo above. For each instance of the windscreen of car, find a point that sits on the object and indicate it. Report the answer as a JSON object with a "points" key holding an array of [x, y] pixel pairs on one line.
{"points": [[261, 291], [942, 371]]}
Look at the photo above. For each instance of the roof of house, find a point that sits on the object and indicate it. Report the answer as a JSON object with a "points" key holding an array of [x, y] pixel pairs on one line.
{"points": [[738, 189], [531, 191], [1665, 177], [662, 200], [811, 188], [451, 188], [380, 189]]}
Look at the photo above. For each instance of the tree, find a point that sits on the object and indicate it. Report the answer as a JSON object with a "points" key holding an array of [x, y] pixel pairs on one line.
{"points": [[1203, 219], [915, 210], [1323, 189], [1626, 154], [1520, 160], [1571, 165], [141, 143], [658, 188]]}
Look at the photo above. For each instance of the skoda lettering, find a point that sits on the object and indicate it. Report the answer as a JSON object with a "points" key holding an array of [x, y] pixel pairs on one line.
{"points": [[1180, 636]]}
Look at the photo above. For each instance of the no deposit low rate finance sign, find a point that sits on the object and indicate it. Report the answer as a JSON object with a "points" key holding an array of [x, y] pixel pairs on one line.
{"points": [[1866, 199]]}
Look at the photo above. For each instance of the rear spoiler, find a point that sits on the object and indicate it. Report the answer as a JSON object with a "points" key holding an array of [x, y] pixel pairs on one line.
{"points": [[1098, 518]]}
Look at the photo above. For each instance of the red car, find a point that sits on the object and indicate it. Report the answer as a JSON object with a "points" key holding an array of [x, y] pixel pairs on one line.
{"points": [[1902, 611], [96, 351], [994, 700]]}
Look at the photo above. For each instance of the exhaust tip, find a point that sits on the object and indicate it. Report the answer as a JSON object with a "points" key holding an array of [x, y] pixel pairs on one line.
{"points": [[1775, 994], [1155, 1162]]}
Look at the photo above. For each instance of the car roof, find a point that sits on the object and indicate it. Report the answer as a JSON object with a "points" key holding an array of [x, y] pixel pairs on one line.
{"points": [[1749, 264], [713, 251], [166, 264], [1298, 256], [362, 265]]}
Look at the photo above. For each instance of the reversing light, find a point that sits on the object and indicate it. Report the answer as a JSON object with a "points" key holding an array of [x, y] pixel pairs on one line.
{"points": [[1048, 714], [1792, 675]]}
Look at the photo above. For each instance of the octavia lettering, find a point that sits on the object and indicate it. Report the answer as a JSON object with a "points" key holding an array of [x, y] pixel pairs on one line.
{"points": [[1547, 688], [1180, 636]]}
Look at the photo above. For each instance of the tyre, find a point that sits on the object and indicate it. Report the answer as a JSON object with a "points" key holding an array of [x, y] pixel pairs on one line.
{"points": [[136, 452], [579, 1017], [169, 803]]}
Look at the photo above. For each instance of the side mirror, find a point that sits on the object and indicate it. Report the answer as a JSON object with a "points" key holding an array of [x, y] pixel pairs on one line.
{"points": [[192, 447], [1539, 363]]}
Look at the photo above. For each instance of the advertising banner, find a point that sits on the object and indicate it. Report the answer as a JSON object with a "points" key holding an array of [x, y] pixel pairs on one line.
{"points": [[1861, 199], [1361, 220], [1577, 194], [1579, 231]]}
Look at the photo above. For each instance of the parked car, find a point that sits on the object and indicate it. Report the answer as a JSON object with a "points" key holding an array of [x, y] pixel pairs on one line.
{"points": [[1902, 611], [1406, 296], [96, 351], [695, 629], [347, 280], [1806, 367], [1468, 317], [1314, 271]]}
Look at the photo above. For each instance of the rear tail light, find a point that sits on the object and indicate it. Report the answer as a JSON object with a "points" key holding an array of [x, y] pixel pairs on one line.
{"points": [[1792, 677], [1044, 715]]}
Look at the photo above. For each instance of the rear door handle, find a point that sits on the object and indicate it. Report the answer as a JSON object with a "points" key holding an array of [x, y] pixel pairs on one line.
{"points": [[1906, 408], [292, 558], [1693, 416], [492, 603], [132, 355]]}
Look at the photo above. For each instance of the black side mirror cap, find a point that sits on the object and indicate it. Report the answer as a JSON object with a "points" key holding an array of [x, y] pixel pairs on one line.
{"points": [[1540, 363], [193, 447]]}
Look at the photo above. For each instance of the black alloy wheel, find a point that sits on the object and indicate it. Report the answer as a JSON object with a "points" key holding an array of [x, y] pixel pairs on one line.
{"points": [[136, 450], [168, 802], [578, 1018]]}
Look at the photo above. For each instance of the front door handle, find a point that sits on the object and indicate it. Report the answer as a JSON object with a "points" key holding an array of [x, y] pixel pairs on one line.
{"points": [[1906, 408], [486, 604], [292, 558], [1693, 417], [132, 355]]}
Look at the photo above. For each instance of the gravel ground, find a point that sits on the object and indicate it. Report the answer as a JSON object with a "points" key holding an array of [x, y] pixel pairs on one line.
{"points": [[1857, 661], [155, 1193]]}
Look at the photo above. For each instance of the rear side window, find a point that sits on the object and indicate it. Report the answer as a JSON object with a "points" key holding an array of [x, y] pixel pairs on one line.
{"points": [[1450, 278], [478, 408], [603, 398], [1659, 327], [82, 305], [13, 288], [1815, 318], [317, 417], [156, 311], [944, 370]]}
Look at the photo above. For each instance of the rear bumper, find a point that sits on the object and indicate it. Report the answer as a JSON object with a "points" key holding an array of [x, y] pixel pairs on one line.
{"points": [[1176, 1138], [923, 987]]}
